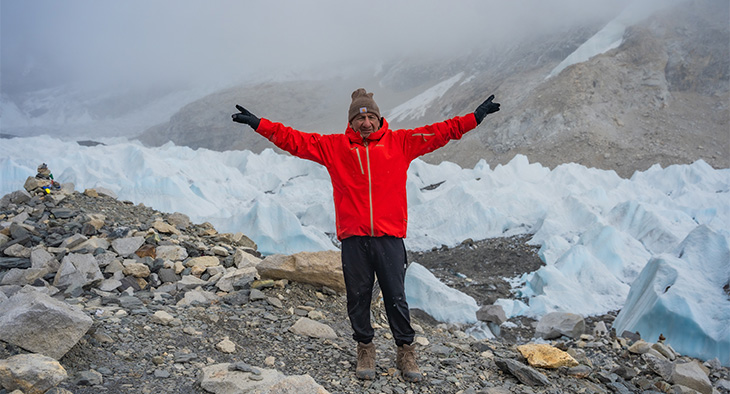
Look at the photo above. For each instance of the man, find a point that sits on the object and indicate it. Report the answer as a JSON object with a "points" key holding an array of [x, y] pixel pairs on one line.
{"points": [[368, 167]]}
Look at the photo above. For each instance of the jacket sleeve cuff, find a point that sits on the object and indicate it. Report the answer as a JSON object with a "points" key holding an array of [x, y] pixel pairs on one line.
{"points": [[266, 128], [470, 122]]}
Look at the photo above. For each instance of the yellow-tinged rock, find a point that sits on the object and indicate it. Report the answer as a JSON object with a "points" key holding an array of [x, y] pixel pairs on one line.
{"points": [[546, 356], [165, 228], [91, 193], [203, 261]]}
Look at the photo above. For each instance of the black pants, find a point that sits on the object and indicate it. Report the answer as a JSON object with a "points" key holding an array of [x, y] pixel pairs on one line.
{"points": [[362, 259]]}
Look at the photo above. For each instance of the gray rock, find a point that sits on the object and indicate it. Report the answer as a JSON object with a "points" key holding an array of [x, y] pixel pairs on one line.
{"points": [[17, 250], [40, 258], [171, 252], [524, 373], [640, 347], [4, 239], [492, 313], [308, 327], [72, 241], [167, 275], [659, 366], [38, 323], [691, 375], [17, 230], [226, 283], [127, 246], [22, 277], [17, 197], [723, 384], [102, 191], [238, 298], [256, 295], [63, 213], [104, 259], [89, 378], [556, 324], [243, 259], [197, 296], [219, 379], [600, 330], [91, 244], [179, 220], [109, 284], [31, 373], [78, 270], [189, 282], [130, 302], [14, 262]]}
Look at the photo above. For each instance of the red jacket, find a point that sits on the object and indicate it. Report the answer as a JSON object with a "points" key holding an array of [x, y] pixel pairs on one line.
{"points": [[368, 177]]}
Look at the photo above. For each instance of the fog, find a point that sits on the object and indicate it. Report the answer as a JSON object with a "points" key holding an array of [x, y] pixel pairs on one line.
{"points": [[101, 44]]}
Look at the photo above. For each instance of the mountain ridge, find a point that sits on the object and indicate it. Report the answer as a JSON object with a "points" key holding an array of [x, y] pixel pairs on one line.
{"points": [[660, 97]]}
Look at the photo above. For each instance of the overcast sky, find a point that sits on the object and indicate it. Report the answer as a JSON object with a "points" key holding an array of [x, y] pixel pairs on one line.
{"points": [[142, 41]]}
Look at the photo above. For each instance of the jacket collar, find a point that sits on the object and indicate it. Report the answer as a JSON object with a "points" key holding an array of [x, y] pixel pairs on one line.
{"points": [[356, 138]]}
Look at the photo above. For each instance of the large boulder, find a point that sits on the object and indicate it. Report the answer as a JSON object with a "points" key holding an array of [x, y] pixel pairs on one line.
{"points": [[38, 323], [316, 268]]}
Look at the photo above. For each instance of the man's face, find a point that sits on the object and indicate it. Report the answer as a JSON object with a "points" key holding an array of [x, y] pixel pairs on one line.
{"points": [[365, 124]]}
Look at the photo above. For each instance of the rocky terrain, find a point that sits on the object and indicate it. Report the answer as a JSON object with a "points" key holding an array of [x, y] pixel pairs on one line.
{"points": [[104, 296], [661, 97]]}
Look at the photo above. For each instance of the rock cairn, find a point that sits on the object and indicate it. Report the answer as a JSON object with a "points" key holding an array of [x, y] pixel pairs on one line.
{"points": [[101, 295]]}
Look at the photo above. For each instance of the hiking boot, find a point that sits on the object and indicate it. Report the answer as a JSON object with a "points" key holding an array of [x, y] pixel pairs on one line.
{"points": [[365, 361], [405, 360]]}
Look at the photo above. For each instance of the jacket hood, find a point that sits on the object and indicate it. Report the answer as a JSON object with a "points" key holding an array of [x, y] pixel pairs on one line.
{"points": [[356, 138]]}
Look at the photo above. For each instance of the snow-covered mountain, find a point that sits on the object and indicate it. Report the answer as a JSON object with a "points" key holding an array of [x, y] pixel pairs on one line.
{"points": [[658, 95], [642, 87]]}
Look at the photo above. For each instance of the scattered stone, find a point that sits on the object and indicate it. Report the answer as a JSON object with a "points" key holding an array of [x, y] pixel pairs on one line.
{"points": [[89, 378], [525, 374], [226, 346], [31, 373], [219, 379], [556, 324], [162, 317], [78, 270], [125, 247], [492, 313], [171, 252], [640, 347], [308, 327]]}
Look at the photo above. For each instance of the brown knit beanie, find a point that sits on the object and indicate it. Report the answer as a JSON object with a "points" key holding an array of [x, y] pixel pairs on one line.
{"points": [[362, 102]]}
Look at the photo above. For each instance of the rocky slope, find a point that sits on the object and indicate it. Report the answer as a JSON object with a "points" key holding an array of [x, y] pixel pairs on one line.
{"points": [[129, 299], [660, 97]]}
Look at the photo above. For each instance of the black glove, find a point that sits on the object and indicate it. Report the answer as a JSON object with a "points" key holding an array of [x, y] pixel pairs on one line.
{"points": [[246, 117], [485, 108]]}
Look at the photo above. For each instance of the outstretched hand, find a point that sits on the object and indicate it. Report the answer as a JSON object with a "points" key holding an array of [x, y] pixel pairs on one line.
{"points": [[485, 108], [245, 116]]}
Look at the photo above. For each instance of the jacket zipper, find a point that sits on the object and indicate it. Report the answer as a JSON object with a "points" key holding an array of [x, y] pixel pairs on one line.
{"points": [[370, 190]]}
